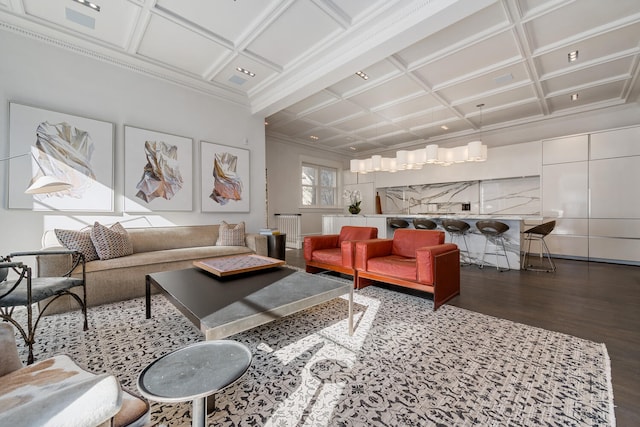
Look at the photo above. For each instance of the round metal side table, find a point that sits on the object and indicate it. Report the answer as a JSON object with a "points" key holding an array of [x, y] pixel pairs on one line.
{"points": [[195, 372]]}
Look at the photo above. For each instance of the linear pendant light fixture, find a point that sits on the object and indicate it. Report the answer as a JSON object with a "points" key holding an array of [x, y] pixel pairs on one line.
{"points": [[474, 151]]}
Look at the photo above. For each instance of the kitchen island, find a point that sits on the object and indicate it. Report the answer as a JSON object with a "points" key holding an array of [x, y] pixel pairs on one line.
{"points": [[331, 224]]}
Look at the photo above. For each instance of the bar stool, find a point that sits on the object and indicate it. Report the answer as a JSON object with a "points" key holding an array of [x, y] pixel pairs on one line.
{"points": [[424, 224], [539, 232], [458, 230], [398, 223], [493, 231]]}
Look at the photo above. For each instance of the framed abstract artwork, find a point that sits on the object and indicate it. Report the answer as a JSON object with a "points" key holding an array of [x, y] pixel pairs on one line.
{"points": [[158, 171], [69, 148], [225, 178]]}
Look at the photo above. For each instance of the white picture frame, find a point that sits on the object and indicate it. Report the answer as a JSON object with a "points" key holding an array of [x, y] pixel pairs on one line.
{"points": [[144, 193], [72, 148], [234, 195]]}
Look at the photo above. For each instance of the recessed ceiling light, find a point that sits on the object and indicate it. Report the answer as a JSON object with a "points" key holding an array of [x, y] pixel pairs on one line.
{"points": [[362, 74], [266, 123], [444, 127], [88, 4], [572, 56], [352, 148], [315, 138], [247, 72], [574, 97]]}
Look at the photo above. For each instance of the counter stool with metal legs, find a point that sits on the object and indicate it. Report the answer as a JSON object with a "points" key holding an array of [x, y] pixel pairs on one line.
{"points": [[458, 230], [539, 232], [424, 224], [493, 231], [398, 223]]}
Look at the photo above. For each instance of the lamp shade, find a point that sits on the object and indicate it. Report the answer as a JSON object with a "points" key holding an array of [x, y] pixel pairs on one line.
{"points": [[368, 165], [44, 184], [431, 153], [47, 184], [460, 154], [376, 161], [402, 159], [354, 165], [475, 151]]}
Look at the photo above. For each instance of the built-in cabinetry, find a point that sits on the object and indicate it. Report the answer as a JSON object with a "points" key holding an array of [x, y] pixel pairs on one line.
{"points": [[590, 182], [331, 224], [565, 194]]}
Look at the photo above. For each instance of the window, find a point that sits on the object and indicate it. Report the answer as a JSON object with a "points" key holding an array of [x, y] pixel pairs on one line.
{"points": [[319, 185]]}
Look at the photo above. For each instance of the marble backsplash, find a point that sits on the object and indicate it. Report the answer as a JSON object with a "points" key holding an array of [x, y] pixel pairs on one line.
{"points": [[513, 196]]}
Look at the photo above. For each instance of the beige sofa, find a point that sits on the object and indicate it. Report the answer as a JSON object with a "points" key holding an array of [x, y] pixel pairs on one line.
{"points": [[154, 249]]}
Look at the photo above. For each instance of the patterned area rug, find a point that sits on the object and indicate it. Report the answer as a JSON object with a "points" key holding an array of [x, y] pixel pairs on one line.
{"points": [[406, 365]]}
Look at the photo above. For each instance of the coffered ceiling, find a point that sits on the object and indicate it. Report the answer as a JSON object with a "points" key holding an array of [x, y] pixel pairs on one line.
{"points": [[430, 64]]}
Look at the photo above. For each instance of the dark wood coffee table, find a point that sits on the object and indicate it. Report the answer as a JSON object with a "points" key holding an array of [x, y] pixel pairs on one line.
{"points": [[224, 306]]}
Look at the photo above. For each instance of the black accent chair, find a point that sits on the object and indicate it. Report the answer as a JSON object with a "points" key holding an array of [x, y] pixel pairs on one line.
{"points": [[26, 290]]}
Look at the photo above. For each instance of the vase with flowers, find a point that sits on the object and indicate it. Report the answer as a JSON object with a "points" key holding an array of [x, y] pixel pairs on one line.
{"points": [[354, 198]]}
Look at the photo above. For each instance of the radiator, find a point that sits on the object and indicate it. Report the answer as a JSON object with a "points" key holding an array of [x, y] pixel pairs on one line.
{"points": [[290, 224]]}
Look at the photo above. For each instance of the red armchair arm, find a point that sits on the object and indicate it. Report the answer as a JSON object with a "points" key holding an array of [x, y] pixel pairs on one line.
{"points": [[427, 257], [348, 251], [314, 243], [367, 249]]}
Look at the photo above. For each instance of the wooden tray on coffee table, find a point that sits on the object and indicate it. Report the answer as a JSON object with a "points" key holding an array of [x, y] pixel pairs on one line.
{"points": [[237, 264]]}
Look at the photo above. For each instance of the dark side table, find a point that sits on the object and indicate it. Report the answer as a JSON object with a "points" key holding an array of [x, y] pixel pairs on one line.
{"points": [[193, 373], [276, 245]]}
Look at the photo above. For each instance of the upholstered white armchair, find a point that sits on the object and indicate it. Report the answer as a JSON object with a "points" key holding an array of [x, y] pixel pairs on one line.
{"points": [[57, 392]]}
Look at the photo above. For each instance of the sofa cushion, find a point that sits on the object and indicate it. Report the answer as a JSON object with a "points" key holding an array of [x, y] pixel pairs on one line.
{"points": [[230, 235], [168, 256], [405, 242], [350, 232], [328, 256], [111, 242], [394, 266], [78, 241]]}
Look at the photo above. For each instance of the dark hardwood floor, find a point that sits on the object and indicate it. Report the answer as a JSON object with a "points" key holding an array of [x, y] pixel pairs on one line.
{"points": [[595, 301]]}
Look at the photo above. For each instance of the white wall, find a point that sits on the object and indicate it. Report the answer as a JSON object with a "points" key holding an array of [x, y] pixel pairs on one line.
{"points": [[41, 75], [283, 179]]}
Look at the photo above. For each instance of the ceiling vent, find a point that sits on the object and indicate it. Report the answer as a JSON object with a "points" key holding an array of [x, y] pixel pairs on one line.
{"points": [[237, 80], [80, 18], [503, 79]]}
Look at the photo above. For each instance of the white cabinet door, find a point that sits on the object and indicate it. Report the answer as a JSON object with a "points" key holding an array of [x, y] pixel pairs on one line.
{"points": [[564, 150], [615, 143], [565, 190], [380, 223], [614, 188]]}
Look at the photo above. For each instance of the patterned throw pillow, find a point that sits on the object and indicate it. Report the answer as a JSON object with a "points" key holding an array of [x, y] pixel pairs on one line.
{"points": [[111, 242], [231, 236], [78, 241]]}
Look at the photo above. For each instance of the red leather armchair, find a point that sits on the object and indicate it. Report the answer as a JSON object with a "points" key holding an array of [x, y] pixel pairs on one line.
{"points": [[417, 259], [335, 252]]}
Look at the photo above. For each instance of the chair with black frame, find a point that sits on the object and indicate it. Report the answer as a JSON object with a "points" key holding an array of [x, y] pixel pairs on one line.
{"points": [[26, 290], [538, 233], [493, 231], [424, 224], [458, 230]]}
